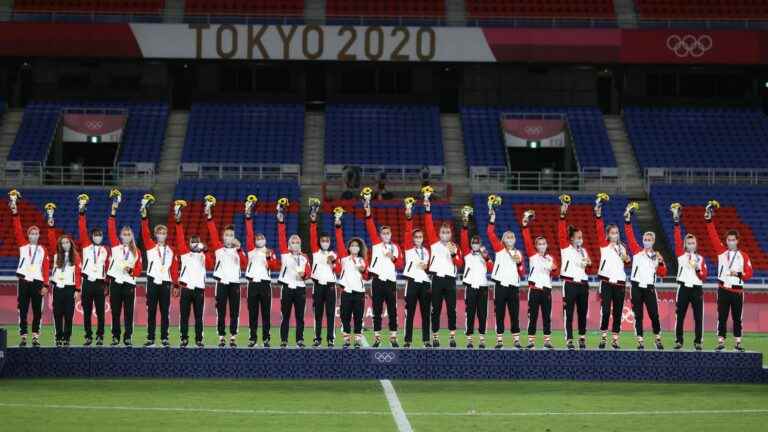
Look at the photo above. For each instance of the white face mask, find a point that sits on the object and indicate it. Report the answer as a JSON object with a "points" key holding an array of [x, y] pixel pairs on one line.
{"points": [[325, 245], [648, 244], [509, 241], [354, 250], [475, 247], [733, 244], [161, 237], [66, 246], [613, 237], [386, 237], [229, 239], [418, 241], [578, 242], [34, 237], [445, 237], [97, 239], [690, 247], [542, 248], [295, 247], [126, 238], [196, 247], [260, 243]]}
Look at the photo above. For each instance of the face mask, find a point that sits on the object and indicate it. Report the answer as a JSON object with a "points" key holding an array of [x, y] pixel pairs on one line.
{"points": [[541, 248], [509, 242], [690, 247], [733, 244], [445, 237], [195, 247], [229, 239], [325, 245], [578, 242], [475, 247], [260, 243], [97, 239], [613, 237], [296, 247], [161, 237], [66, 246], [354, 250], [126, 238], [34, 237], [418, 241], [386, 237], [648, 244]]}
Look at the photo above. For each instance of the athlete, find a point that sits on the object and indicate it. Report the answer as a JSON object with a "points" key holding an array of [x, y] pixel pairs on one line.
{"points": [[418, 285], [95, 288], [543, 267], [477, 264], [575, 262], [294, 271], [352, 269], [66, 280], [323, 278]]}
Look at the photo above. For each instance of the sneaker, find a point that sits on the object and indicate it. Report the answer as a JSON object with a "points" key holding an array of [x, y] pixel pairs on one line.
{"points": [[481, 345], [393, 342], [499, 344], [35, 342], [99, 341], [602, 344], [149, 343], [376, 342], [720, 346], [640, 346], [65, 343], [678, 345], [452, 342], [436, 343], [58, 344], [697, 346], [582, 344], [222, 344], [469, 345], [738, 347], [331, 343], [283, 344], [115, 341], [251, 343], [346, 345], [184, 343], [357, 345], [615, 345], [128, 343], [88, 342], [406, 344], [300, 344], [548, 345], [530, 346], [316, 343], [517, 345], [427, 344], [570, 345], [232, 343], [200, 344], [165, 343], [266, 343], [659, 345], [23, 342]]}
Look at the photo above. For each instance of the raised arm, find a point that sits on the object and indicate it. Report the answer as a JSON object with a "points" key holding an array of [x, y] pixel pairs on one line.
{"points": [[18, 231], [146, 236], [429, 228], [174, 270], [213, 234], [679, 249], [341, 248], [52, 239], [282, 239], [600, 228], [78, 273], [243, 259], [714, 238], [530, 248], [250, 242], [629, 231], [181, 240], [373, 233], [112, 231], [400, 260], [562, 233], [314, 242], [82, 228], [490, 230], [408, 235], [464, 247]]}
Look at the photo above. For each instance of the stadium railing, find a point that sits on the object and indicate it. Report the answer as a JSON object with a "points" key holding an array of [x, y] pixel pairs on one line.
{"points": [[229, 171], [332, 190], [483, 179], [709, 24], [392, 172], [709, 176], [16, 173]]}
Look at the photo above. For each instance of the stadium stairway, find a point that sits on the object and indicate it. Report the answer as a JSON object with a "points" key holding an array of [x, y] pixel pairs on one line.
{"points": [[313, 165], [455, 13], [173, 11], [10, 122], [168, 168], [456, 172], [314, 11], [626, 15]]}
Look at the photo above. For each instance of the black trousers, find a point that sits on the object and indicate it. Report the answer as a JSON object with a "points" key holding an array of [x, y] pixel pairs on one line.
{"points": [[729, 302], [259, 303], [576, 297], [539, 301], [352, 309], [507, 299], [611, 305], [296, 299], [121, 299], [63, 311], [93, 298], [443, 290], [417, 294], [29, 295], [227, 293], [192, 300], [324, 304], [476, 305], [695, 298], [384, 292], [645, 298], [158, 296]]}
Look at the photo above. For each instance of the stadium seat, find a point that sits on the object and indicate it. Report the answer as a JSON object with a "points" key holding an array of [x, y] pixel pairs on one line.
{"points": [[744, 208], [142, 141], [230, 196], [383, 135], [540, 8], [386, 8], [245, 7], [245, 133], [112, 6], [702, 9], [32, 213], [484, 145], [697, 137]]}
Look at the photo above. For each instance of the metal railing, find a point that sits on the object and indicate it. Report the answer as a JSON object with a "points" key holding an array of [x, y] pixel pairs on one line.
{"points": [[18, 174], [229, 171], [706, 176], [489, 179], [409, 173], [334, 190], [709, 24]]}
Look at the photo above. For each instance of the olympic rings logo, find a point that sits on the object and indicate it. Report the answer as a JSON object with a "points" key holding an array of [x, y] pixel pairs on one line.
{"points": [[94, 124], [385, 356], [534, 130], [689, 45]]}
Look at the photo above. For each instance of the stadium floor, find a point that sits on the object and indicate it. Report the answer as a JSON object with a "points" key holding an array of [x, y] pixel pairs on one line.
{"points": [[205, 405], [752, 341]]}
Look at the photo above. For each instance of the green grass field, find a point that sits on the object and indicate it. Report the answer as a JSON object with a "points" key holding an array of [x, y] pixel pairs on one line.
{"points": [[213, 405], [752, 341]]}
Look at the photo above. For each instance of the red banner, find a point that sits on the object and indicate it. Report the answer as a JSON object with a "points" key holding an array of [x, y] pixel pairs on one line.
{"points": [[78, 127], [693, 46], [547, 132], [755, 315]]}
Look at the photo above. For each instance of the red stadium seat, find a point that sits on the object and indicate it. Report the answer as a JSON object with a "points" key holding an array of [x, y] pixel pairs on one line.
{"points": [[245, 7], [113, 6], [386, 8], [540, 9], [702, 9]]}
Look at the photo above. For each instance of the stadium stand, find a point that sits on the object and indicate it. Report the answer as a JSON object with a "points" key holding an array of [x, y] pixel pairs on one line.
{"points": [[230, 196], [88, 10], [383, 135], [245, 133], [697, 137], [744, 208], [547, 208], [411, 11], [702, 9], [540, 8], [32, 213], [245, 11], [484, 146], [143, 137]]}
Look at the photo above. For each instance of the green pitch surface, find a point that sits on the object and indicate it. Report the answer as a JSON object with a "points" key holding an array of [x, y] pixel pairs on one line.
{"points": [[213, 405], [752, 341]]}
